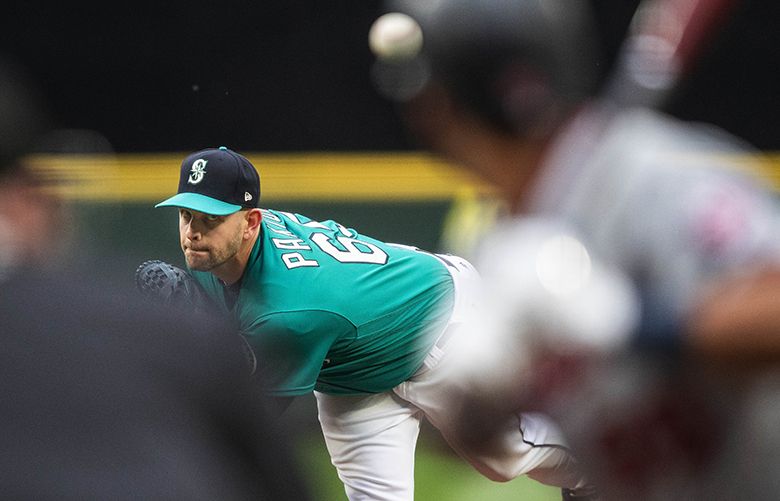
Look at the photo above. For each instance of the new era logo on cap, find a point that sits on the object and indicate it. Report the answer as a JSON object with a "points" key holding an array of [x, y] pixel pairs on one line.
{"points": [[216, 181]]}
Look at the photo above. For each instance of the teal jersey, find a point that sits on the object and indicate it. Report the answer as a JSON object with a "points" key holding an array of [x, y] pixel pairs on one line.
{"points": [[327, 308]]}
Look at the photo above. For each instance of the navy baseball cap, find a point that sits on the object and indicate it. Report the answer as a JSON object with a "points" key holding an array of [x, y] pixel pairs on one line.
{"points": [[216, 181]]}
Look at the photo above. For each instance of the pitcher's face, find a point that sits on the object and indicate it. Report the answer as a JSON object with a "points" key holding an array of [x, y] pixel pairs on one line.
{"points": [[209, 241]]}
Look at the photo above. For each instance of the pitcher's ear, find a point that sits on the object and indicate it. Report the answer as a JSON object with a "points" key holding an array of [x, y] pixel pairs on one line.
{"points": [[253, 217]]}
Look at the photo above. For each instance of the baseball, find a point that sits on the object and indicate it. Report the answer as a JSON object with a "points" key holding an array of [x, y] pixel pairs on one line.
{"points": [[395, 36]]}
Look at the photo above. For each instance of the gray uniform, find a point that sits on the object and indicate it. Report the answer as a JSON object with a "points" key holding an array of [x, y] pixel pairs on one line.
{"points": [[661, 202]]}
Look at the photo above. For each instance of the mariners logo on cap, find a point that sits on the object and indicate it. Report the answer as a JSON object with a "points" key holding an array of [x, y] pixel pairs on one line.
{"points": [[198, 171]]}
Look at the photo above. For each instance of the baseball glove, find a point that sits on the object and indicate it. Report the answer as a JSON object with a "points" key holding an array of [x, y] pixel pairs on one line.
{"points": [[170, 285]]}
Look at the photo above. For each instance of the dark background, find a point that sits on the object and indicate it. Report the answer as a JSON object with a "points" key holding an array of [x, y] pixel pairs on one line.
{"points": [[294, 75]]}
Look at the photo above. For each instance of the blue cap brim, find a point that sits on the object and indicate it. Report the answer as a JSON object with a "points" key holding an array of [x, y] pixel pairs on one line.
{"points": [[200, 203]]}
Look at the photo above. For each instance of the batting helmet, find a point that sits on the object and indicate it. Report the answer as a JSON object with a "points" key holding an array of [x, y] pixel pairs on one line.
{"points": [[508, 61]]}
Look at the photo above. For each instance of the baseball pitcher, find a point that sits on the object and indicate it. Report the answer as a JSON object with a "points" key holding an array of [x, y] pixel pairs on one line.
{"points": [[366, 325]]}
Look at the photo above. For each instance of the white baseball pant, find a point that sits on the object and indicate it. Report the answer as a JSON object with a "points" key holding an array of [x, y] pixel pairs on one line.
{"points": [[371, 438]]}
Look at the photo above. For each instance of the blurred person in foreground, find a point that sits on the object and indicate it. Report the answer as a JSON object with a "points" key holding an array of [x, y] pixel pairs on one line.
{"points": [[603, 193], [105, 396]]}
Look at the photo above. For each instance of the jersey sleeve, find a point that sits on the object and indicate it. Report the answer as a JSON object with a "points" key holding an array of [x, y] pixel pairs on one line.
{"points": [[291, 348]]}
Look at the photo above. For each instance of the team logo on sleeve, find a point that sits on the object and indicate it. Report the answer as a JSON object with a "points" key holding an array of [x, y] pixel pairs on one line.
{"points": [[197, 171]]}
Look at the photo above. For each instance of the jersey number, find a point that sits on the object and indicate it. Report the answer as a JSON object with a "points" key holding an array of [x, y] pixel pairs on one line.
{"points": [[351, 251]]}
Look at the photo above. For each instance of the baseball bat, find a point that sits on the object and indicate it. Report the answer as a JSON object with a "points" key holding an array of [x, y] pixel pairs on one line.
{"points": [[664, 39]]}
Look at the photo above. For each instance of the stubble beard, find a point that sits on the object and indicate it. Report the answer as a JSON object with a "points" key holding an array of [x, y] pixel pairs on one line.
{"points": [[214, 257]]}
